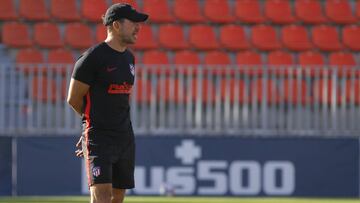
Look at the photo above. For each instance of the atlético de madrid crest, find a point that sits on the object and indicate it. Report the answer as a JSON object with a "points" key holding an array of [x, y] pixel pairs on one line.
{"points": [[132, 69]]}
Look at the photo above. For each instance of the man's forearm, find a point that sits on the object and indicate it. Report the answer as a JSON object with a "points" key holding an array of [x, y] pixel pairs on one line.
{"points": [[77, 106]]}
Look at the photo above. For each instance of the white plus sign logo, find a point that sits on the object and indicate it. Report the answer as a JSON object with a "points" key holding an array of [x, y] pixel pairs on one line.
{"points": [[187, 152]]}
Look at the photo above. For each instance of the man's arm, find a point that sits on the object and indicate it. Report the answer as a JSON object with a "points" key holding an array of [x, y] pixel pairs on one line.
{"points": [[77, 90]]}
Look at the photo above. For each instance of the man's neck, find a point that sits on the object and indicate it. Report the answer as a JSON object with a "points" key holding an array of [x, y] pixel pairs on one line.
{"points": [[114, 44]]}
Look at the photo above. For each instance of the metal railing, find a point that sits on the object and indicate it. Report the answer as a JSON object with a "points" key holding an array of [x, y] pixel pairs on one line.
{"points": [[194, 100]]}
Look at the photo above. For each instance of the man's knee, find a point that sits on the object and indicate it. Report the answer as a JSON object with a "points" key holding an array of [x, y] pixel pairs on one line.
{"points": [[101, 193], [118, 195]]}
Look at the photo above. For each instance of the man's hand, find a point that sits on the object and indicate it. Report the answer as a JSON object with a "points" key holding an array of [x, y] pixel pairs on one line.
{"points": [[79, 152]]}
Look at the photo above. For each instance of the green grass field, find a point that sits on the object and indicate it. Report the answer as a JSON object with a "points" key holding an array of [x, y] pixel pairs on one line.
{"points": [[177, 200]]}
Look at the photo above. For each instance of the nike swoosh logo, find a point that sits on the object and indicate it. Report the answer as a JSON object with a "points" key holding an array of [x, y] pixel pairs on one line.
{"points": [[110, 69]]}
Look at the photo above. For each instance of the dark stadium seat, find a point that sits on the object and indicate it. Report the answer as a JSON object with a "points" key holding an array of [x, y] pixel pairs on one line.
{"points": [[61, 56], [295, 38], [171, 36], [171, 90], [218, 11], [350, 37], [100, 32], [92, 10], [145, 38], [264, 38], [277, 58], [28, 60], [229, 87], [233, 37], [202, 37], [257, 94], [16, 34], [249, 11], [309, 11], [47, 35], [279, 11], [7, 10], [40, 89], [339, 11], [133, 3], [78, 36], [326, 38], [33, 10], [188, 11], [159, 11], [64, 10], [294, 91]]}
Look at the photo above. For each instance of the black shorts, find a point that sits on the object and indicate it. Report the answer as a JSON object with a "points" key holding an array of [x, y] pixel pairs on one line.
{"points": [[109, 160]]}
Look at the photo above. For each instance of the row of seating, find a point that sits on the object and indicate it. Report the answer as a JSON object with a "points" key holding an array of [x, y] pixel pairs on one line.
{"points": [[153, 57], [191, 11], [201, 37], [288, 91]]}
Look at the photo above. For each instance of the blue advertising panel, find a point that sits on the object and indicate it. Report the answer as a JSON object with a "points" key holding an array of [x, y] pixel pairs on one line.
{"points": [[48, 166], [247, 167], [5, 166]]}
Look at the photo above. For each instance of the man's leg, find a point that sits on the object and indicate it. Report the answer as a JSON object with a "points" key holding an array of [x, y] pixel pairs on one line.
{"points": [[117, 195], [101, 193]]}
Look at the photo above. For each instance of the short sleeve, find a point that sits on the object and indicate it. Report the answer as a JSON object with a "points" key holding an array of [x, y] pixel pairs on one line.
{"points": [[85, 68]]}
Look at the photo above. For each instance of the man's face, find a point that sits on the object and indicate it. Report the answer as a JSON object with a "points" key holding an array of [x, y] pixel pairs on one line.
{"points": [[127, 31]]}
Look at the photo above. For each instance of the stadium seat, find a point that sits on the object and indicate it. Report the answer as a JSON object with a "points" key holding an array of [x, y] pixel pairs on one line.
{"points": [[357, 7], [339, 11], [295, 38], [61, 56], [326, 38], [342, 59], [186, 61], [279, 11], [7, 10], [216, 62], [78, 36], [47, 35], [264, 38], [92, 10], [145, 38], [171, 36], [250, 62], [249, 11], [218, 11], [188, 11], [229, 87], [202, 37], [294, 91], [156, 61], [233, 37], [312, 63], [33, 10], [350, 37], [64, 10], [101, 33], [16, 35], [133, 3], [144, 90], [28, 61], [309, 11], [323, 90], [257, 94], [277, 58], [171, 90], [158, 10], [40, 89]]}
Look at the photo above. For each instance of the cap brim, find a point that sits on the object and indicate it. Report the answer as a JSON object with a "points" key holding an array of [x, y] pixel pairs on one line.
{"points": [[138, 17]]}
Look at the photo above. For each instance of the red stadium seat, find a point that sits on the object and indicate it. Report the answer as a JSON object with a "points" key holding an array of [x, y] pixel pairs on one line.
{"points": [[249, 11], [7, 10], [78, 36], [218, 11], [323, 90], [186, 60], [92, 10], [229, 87], [61, 56], [295, 38], [47, 35], [232, 37], [144, 90], [342, 59], [312, 63], [309, 11], [171, 90], [101, 33], [277, 58], [33, 10], [171, 36], [279, 11], [188, 11], [339, 11], [217, 58], [40, 87], [264, 38], [28, 61], [272, 92], [16, 34], [158, 10], [202, 37], [64, 10], [326, 38], [133, 3], [145, 38], [350, 37], [157, 61], [250, 62], [357, 9]]}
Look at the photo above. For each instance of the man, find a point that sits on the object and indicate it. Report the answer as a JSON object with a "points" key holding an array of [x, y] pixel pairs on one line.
{"points": [[99, 91]]}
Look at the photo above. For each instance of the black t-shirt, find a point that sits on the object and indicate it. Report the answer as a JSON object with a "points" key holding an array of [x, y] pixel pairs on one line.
{"points": [[110, 74]]}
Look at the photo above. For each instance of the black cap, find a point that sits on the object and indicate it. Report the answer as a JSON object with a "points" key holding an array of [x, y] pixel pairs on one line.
{"points": [[123, 10]]}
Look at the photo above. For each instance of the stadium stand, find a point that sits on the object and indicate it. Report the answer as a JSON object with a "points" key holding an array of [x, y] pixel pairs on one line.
{"points": [[309, 12], [7, 10], [233, 37], [172, 37], [202, 37], [78, 36], [339, 12], [188, 11], [131, 2], [326, 38], [264, 38], [47, 35], [249, 11], [16, 34], [276, 58], [159, 11], [279, 11], [64, 10], [146, 39], [33, 10], [295, 38], [218, 11], [350, 37], [92, 10]]}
